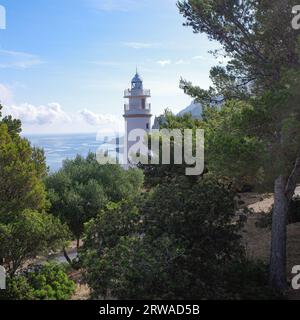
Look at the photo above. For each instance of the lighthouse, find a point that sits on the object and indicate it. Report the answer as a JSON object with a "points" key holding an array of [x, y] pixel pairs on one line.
{"points": [[137, 112]]}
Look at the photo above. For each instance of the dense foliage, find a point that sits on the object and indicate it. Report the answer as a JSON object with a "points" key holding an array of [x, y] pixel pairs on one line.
{"points": [[262, 74], [47, 282], [26, 230], [30, 234], [21, 171], [83, 187], [178, 237], [180, 242]]}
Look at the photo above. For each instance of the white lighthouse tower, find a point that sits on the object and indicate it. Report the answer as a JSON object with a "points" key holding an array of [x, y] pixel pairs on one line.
{"points": [[137, 112]]}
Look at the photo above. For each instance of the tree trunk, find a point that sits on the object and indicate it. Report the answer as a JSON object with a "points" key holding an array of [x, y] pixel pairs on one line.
{"points": [[78, 244], [67, 257], [284, 192], [279, 236]]}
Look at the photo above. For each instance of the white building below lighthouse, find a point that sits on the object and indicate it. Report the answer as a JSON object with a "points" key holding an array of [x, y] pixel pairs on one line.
{"points": [[137, 113]]}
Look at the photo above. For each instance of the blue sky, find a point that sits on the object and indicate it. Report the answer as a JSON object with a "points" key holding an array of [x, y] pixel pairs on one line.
{"points": [[65, 63]]}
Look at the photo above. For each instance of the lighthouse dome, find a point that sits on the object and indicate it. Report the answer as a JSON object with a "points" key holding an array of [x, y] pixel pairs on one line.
{"points": [[137, 78], [137, 82]]}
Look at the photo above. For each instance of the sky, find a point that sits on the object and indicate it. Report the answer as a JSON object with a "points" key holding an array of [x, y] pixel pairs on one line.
{"points": [[64, 64]]}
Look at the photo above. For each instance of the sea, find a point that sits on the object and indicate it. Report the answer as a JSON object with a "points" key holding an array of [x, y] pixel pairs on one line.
{"points": [[60, 147]]}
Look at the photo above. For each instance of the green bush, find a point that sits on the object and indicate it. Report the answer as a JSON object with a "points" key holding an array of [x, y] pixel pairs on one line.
{"points": [[50, 282], [17, 288], [47, 282]]}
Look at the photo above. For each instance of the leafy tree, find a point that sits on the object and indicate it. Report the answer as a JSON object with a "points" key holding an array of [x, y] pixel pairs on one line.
{"points": [[180, 242], [25, 229], [30, 234], [156, 173], [76, 204], [230, 150], [21, 171], [111, 224], [262, 71], [103, 235], [83, 187], [257, 38], [14, 125], [197, 220]]}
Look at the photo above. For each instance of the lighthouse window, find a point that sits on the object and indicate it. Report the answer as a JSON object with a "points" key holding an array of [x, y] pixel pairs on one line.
{"points": [[147, 126], [143, 104]]}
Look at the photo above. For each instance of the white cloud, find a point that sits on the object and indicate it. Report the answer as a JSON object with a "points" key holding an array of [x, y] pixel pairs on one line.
{"points": [[140, 45], [19, 60], [164, 63], [179, 62], [41, 115], [199, 58], [95, 119], [51, 118], [182, 62], [6, 95]]}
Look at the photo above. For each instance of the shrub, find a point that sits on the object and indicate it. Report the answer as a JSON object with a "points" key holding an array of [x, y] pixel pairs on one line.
{"points": [[175, 246], [17, 288], [50, 282], [47, 282]]}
